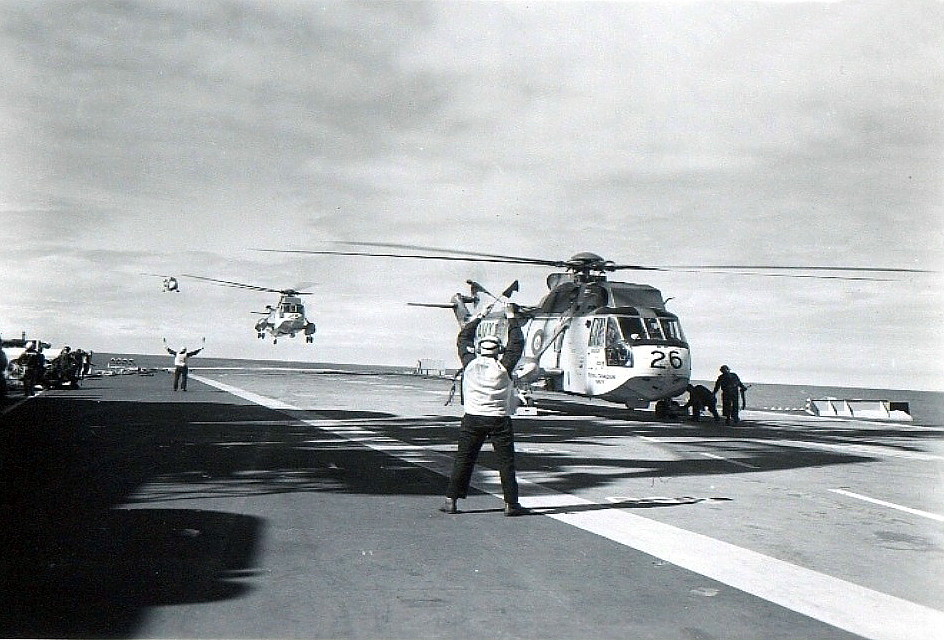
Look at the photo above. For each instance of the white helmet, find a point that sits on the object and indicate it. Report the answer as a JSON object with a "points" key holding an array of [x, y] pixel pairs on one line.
{"points": [[488, 346]]}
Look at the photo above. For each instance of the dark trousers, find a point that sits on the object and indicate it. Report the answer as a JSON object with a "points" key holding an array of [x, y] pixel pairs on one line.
{"points": [[30, 380], [180, 376], [473, 431], [730, 405]]}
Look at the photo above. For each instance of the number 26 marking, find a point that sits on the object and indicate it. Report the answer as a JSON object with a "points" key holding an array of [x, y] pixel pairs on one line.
{"points": [[673, 357]]}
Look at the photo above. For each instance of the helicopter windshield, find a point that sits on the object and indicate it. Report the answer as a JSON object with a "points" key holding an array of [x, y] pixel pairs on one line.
{"points": [[663, 329], [632, 327]]}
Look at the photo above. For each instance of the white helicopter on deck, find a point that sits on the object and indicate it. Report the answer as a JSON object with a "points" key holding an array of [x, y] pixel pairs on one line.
{"points": [[287, 318], [590, 336]]}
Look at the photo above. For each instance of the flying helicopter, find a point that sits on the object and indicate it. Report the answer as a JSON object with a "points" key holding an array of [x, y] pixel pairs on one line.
{"points": [[169, 283], [590, 336], [286, 318]]}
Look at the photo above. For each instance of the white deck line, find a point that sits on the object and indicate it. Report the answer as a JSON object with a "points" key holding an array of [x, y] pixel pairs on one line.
{"points": [[839, 603], [890, 505]]}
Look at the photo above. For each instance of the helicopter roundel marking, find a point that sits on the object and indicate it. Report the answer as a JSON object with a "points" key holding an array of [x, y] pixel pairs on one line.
{"points": [[537, 341]]}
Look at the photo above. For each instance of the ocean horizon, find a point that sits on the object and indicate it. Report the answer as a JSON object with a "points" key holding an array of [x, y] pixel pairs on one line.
{"points": [[926, 407]]}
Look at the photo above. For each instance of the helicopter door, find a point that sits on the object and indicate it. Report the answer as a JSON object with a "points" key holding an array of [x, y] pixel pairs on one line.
{"points": [[596, 354], [573, 356]]}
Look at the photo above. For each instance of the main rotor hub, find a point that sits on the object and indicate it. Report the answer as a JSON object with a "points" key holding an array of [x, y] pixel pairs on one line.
{"points": [[584, 263]]}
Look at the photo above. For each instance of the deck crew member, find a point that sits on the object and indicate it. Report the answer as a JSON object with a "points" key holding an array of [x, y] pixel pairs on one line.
{"points": [[731, 386], [180, 364], [489, 398], [699, 399], [32, 363]]}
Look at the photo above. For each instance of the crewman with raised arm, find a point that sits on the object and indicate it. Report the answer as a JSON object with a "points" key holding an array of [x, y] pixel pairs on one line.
{"points": [[490, 398], [181, 369]]}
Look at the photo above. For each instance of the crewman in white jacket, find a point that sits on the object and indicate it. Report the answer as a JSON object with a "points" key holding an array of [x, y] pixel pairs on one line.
{"points": [[181, 367], [490, 399]]}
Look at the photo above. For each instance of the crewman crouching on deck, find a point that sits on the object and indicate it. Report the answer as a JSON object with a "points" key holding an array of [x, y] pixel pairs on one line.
{"points": [[700, 398]]}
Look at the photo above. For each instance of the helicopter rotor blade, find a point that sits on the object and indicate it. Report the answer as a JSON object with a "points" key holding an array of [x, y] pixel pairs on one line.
{"points": [[408, 255], [471, 254], [433, 305], [728, 267], [611, 266], [229, 283], [468, 256]]}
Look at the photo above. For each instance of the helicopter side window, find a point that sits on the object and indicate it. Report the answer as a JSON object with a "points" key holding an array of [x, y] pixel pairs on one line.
{"points": [[618, 353], [632, 328], [613, 335], [654, 328], [598, 332], [672, 329]]}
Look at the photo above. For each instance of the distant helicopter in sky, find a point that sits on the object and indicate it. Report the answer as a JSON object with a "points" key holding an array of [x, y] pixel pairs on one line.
{"points": [[169, 283], [590, 336], [286, 318]]}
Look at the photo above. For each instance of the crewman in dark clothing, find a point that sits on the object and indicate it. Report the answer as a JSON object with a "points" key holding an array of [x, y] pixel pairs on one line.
{"points": [[731, 386], [32, 364], [181, 368], [699, 399], [63, 368]]}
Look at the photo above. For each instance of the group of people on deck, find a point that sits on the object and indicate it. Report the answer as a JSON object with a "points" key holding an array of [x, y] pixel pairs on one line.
{"points": [[489, 399], [733, 397]]}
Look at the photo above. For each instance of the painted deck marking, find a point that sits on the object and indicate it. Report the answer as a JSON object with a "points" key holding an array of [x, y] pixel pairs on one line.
{"points": [[842, 604], [890, 505], [737, 462]]}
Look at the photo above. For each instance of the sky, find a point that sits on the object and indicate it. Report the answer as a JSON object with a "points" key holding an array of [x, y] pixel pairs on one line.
{"points": [[178, 137]]}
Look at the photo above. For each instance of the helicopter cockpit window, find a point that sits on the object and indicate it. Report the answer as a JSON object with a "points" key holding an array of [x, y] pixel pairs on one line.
{"points": [[632, 328], [654, 328], [672, 329]]}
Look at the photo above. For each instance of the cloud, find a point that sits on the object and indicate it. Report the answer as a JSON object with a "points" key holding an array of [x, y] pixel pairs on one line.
{"points": [[166, 137]]}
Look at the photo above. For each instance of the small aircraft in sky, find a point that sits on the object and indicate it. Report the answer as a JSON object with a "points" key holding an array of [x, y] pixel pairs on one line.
{"points": [[286, 318], [169, 283], [590, 336]]}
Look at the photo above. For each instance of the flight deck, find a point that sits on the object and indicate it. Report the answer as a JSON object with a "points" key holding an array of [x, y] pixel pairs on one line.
{"points": [[303, 504]]}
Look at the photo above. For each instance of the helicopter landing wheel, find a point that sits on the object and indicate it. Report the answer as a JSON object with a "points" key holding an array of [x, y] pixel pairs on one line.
{"points": [[662, 409], [309, 339]]}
